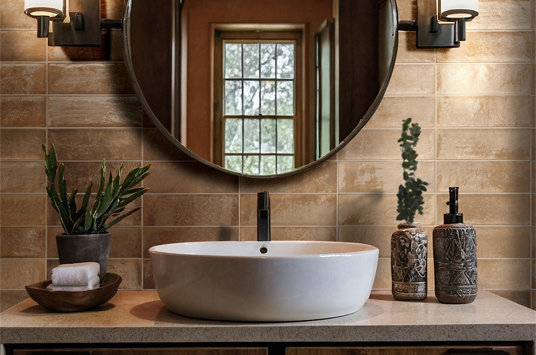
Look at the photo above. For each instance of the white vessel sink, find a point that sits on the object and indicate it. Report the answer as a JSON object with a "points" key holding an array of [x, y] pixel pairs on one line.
{"points": [[264, 281]]}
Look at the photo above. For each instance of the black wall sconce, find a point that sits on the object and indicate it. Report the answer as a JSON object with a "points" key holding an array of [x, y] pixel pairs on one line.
{"points": [[441, 23], [75, 23]]}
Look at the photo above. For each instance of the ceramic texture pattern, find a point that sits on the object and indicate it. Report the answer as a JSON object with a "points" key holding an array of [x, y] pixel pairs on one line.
{"points": [[455, 261], [476, 105]]}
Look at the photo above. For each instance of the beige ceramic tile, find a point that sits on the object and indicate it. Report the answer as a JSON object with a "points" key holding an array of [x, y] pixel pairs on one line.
{"points": [[490, 47], [22, 177], [23, 79], [503, 242], [292, 233], [475, 144], [504, 274], [111, 49], [379, 176], [190, 210], [378, 210], [12, 16], [96, 144], [158, 147], [489, 209], [380, 237], [408, 52], [292, 210], [9, 298], [521, 297], [23, 242], [320, 179], [484, 79], [88, 79], [126, 242], [484, 111], [21, 144], [112, 9], [94, 112], [51, 264], [412, 79], [393, 110], [484, 176], [19, 46], [380, 144], [148, 280], [189, 177], [17, 273], [407, 10], [164, 235], [22, 111], [502, 15], [52, 249], [22, 210], [383, 275], [129, 270]]}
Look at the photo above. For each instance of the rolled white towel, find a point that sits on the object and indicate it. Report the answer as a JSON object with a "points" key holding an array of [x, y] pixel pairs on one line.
{"points": [[79, 274], [93, 283]]}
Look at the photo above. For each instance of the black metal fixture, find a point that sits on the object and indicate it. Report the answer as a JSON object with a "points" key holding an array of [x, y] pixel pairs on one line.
{"points": [[441, 23], [75, 23]]}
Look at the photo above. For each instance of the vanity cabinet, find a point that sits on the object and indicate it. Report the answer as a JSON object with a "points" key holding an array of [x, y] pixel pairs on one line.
{"points": [[145, 351], [484, 349], [410, 350]]}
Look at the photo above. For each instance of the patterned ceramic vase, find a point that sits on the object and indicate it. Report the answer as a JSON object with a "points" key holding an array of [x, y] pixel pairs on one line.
{"points": [[409, 250], [455, 263]]}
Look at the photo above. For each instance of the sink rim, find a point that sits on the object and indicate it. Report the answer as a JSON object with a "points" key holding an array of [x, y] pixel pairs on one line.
{"points": [[359, 248]]}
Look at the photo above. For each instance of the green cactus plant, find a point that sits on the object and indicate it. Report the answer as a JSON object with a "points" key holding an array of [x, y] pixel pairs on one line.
{"points": [[410, 198], [111, 199]]}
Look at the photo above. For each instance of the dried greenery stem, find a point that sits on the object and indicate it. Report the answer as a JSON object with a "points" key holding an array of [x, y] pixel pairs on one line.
{"points": [[410, 198], [111, 199]]}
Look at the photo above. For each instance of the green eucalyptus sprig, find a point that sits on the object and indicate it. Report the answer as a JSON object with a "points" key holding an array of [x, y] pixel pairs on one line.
{"points": [[410, 199], [111, 199]]}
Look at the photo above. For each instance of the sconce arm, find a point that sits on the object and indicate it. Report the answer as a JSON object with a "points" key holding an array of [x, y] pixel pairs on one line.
{"points": [[107, 24], [407, 26]]}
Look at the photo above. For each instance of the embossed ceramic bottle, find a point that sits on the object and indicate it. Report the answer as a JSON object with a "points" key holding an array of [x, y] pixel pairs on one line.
{"points": [[455, 256], [409, 250]]}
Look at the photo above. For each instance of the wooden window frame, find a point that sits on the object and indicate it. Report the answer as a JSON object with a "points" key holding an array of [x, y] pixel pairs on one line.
{"points": [[292, 35]]}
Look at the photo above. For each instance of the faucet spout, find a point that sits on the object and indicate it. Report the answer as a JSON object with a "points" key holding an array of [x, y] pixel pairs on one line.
{"points": [[263, 216]]}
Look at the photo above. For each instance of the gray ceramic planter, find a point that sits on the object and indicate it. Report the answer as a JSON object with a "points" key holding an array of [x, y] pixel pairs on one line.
{"points": [[80, 248]]}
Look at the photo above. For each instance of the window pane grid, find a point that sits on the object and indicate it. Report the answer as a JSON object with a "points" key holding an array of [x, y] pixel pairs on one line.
{"points": [[259, 107]]}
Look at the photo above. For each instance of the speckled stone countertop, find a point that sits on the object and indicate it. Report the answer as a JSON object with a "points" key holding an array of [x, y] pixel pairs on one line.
{"points": [[139, 316]]}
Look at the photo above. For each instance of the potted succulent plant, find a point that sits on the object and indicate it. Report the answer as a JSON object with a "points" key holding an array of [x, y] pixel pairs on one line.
{"points": [[86, 236], [409, 244]]}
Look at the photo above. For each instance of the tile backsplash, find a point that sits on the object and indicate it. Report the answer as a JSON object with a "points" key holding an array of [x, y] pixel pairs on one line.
{"points": [[476, 105]]}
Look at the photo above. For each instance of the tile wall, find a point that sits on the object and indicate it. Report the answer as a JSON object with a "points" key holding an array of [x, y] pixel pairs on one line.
{"points": [[475, 105]]}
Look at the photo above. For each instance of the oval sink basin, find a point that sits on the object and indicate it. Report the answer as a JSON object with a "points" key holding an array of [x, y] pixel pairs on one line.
{"points": [[264, 281]]}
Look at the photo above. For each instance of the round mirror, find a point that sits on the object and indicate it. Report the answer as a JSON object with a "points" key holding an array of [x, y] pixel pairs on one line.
{"points": [[260, 87]]}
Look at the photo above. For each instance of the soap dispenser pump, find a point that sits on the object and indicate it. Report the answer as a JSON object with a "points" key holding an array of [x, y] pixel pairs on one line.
{"points": [[455, 256]]}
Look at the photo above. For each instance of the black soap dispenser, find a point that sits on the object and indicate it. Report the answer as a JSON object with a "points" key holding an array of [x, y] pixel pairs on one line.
{"points": [[455, 256]]}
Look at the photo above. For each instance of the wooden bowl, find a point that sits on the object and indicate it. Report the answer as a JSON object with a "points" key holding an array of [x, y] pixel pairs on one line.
{"points": [[73, 301]]}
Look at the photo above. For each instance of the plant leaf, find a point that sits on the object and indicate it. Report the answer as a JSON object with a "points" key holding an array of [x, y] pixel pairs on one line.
{"points": [[119, 219]]}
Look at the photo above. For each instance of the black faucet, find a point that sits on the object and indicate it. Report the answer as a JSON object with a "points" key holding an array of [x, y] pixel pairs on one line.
{"points": [[263, 216]]}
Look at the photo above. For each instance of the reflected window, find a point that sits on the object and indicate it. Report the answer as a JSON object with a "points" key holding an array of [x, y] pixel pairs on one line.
{"points": [[258, 105]]}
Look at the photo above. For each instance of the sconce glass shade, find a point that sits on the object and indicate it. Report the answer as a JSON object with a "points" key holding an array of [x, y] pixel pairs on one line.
{"points": [[55, 9], [452, 10]]}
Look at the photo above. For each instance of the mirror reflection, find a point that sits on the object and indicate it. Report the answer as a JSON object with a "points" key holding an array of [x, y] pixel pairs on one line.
{"points": [[261, 87]]}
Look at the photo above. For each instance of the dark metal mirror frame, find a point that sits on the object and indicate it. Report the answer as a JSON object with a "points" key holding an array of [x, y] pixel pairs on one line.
{"points": [[177, 78]]}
